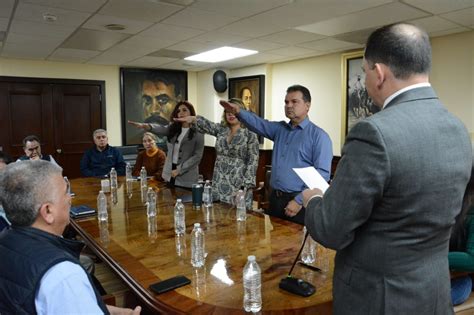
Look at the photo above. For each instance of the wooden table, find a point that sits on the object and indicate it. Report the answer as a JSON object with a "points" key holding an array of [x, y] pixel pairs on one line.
{"points": [[143, 251]]}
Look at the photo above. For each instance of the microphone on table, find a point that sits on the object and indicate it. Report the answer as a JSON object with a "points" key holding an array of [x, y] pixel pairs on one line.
{"points": [[295, 285]]}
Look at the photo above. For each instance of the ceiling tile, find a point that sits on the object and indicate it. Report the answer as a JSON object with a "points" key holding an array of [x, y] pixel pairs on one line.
{"points": [[434, 24], [291, 37], [382, 15], [220, 38], [187, 65], [33, 39], [171, 32], [6, 8], [144, 10], [113, 57], [144, 44], [328, 44], [440, 6], [240, 8], [98, 22], [301, 12], [26, 51], [168, 53], [252, 27], [34, 13], [293, 51], [450, 31], [150, 62], [359, 37], [194, 47], [258, 45], [4, 24], [93, 40], [72, 55], [199, 19], [77, 5], [41, 29], [464, 17]]}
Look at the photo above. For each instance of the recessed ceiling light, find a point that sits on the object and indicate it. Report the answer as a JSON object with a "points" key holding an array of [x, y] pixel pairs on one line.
{"points": [[115, 27], [221, 54], [48, 17]]}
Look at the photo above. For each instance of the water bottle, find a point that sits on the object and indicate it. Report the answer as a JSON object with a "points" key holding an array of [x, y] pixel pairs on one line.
{"points": [[113, 179], [128, 172], [308, 255], [143, 182], [179, 220], [240, 202], [102, 206], [252, 286], [197, 246], [151, 202], [207, 194]]}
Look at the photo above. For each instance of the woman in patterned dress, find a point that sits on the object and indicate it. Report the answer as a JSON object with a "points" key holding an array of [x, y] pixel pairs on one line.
{"points": [[236, 154]]}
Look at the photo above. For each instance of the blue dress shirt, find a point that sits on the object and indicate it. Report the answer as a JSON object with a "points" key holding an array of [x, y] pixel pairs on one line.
{"points": [[301, 146]]}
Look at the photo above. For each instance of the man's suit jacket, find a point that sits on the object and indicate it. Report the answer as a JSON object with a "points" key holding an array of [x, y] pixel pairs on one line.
{"points": [[190, 154], [390, 208]]}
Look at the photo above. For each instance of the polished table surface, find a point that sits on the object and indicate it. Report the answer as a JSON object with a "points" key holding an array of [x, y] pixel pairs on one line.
{"points": [[143, 251]]}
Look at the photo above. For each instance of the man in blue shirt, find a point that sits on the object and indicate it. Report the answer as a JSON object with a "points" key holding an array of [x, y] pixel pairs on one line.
{"points": [[98, 161], [299, 143]]}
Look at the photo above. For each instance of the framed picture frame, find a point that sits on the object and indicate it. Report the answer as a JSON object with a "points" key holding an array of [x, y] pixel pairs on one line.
{"points": [[149, 95], [356, 103], [251, 90]]}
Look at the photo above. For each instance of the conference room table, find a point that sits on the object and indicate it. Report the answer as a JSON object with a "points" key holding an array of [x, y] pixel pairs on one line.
{"points": [[144, 250]]}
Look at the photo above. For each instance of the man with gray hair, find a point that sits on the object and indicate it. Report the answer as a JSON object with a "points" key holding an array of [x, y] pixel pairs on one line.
{"points": [[398, 187], [39, 270], [98, 160]]}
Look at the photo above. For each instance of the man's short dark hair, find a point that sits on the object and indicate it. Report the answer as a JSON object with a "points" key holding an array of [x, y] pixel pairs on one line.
{"points": [[403, 47], [30, 138], [302, 89]]}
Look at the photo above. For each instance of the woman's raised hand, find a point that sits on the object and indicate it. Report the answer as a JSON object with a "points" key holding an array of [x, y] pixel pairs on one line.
{"points": [[138, 124]]}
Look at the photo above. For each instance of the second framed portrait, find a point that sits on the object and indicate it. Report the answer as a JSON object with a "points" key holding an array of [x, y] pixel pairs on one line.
{"points": [[149, 95], [251, 90]]}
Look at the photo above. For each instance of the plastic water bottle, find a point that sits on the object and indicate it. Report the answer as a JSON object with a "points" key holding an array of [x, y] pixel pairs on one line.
{"points": [[240, 202], [113, 179], [151, 202], [308, 255], [207, 194], [143, 174], [102, 207], [179, 219], [252, 286], [197, 246], [128, 172]]}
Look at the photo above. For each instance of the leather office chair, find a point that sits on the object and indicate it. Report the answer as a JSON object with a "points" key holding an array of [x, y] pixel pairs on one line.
{"points": [[263, 191], [129, 153]]}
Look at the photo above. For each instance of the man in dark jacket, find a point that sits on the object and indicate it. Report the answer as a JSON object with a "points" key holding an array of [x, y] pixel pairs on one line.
{"points": [[40, 271]]}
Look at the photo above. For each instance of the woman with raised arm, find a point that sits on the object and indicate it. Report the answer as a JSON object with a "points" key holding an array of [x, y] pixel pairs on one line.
{"points": [[152, 158], [236, 154], [185, 146]]}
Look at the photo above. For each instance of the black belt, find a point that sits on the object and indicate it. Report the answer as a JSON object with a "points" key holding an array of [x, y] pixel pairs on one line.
{"points": [[280, 193]]}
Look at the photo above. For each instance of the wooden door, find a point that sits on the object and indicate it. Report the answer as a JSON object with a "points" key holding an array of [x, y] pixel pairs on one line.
{"points": [[77, 115], [62, 113]]}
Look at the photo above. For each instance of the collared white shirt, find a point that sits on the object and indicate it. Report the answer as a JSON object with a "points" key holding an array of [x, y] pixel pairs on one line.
{"points": [[410, 87], [177, 145]]}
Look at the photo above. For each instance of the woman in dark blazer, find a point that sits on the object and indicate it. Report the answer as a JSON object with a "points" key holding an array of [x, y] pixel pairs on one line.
{"points": [[185, 146]]}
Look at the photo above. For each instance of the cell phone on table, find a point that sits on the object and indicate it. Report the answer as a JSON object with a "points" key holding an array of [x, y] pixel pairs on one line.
{"points": [[169, 284]]}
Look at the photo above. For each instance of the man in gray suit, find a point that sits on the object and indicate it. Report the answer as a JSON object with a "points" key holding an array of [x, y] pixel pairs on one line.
{"points": [[397, 188]]}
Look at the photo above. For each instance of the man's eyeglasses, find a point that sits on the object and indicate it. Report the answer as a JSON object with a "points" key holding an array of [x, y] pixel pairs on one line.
{"points": [[68, 185]]}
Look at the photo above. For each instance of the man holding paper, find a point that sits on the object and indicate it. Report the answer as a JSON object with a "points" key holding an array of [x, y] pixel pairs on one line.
{"points": [[297, 144], [397, 189]]}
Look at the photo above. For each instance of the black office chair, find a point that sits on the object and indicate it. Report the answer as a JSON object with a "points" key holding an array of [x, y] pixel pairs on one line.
{"points": [[129, 153]]}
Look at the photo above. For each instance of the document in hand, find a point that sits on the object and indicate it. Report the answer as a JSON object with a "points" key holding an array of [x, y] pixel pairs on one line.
{"points": [[310, 176]]}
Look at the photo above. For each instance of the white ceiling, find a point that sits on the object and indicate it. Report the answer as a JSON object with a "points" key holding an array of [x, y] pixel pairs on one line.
{"points": [[159, 33]]}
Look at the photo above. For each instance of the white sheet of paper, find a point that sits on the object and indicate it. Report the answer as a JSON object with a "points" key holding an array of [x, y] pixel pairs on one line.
{"points": [[312, 178]]}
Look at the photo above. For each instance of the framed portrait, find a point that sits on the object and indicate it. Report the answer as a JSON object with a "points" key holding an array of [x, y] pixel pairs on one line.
{"points": [[149, 95], [356, 103], [251, 90]]}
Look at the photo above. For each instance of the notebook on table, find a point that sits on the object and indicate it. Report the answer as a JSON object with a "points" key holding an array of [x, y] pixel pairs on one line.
{"points": [[82, 211]]}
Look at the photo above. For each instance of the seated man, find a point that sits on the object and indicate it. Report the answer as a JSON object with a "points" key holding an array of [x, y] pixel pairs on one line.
{"points": [[98, 160], [32, 148], [39, 270]]}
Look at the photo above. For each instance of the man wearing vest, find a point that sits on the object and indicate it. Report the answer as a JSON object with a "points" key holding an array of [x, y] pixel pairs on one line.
{"points": [[39, 270], [32, 148]]}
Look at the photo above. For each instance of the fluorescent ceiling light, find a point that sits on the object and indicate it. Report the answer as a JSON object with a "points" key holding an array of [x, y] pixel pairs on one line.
{"points": [[221, 54]]}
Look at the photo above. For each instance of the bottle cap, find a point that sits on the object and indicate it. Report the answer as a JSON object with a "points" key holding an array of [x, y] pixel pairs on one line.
{"points": [[178, 200], [196, 225], [251, 258], [101, 191]]}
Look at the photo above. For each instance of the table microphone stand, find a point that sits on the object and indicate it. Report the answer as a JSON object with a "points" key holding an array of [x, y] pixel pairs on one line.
{"points": [[295, 285]]}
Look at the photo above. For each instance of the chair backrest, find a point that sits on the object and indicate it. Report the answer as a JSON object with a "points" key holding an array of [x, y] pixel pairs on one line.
{"points": [[129, 153]]}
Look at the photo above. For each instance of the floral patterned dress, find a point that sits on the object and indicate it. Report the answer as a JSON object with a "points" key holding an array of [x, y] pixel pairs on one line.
{"points": [[236, 162]]}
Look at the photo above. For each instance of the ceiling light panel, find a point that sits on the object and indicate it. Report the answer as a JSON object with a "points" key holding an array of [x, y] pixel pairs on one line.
{"points": [[221, 54]]}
